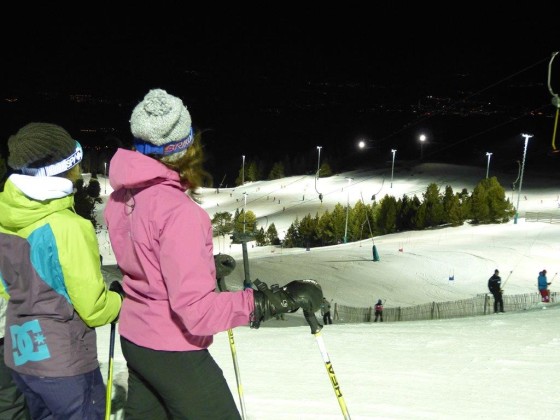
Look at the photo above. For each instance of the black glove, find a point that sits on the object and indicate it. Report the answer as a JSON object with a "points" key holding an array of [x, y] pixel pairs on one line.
{"points": [[305, 294], [116, 286], [225, 264]]}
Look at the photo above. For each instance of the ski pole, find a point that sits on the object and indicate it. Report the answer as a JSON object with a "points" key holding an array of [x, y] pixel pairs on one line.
{"points": [[237, 375], [316, 331], [225, 265], [109, 393], [509, 275]]}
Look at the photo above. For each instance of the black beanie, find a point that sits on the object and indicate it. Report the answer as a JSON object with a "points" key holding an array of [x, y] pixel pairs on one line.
{"points": [[37, 145]]}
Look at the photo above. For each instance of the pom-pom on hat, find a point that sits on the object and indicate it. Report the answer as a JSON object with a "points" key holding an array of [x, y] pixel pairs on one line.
{"points": [[43, 149], [161, 125]]}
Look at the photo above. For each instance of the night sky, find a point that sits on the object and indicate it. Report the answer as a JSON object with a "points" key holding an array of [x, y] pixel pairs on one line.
{"points": [[284, 81]]}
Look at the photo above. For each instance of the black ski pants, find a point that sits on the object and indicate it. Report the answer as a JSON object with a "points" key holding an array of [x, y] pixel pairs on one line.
{"points": [[327, 318], [498, 301], [378, 316], [175, 385]]}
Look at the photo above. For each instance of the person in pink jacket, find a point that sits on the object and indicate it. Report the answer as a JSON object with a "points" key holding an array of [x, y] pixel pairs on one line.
{"points": [[162, 239]]}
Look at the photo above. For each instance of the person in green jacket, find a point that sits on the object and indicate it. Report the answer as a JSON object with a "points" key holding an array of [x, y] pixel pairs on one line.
{"points": [[51, 277]]}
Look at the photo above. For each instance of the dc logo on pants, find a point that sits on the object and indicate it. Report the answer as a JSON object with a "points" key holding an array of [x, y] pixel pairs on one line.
{"points": [[28, 343]]}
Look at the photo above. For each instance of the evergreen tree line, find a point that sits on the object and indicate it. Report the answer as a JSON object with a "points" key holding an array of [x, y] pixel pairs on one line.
{"points": [[486, 204]]}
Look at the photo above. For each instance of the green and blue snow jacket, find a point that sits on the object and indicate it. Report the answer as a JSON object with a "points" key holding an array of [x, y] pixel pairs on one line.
{"points": [[50, 274]]}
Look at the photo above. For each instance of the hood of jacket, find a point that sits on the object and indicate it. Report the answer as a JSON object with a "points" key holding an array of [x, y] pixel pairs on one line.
{"points": [[27, 199], [131, 169]]}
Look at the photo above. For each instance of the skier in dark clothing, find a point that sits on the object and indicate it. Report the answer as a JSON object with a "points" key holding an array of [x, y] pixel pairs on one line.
{"points": [[378, 311], [495, 287], [326, 311]]}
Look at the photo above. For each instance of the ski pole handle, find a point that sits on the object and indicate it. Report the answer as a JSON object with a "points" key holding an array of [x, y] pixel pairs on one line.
{"points": [[312, 321]]}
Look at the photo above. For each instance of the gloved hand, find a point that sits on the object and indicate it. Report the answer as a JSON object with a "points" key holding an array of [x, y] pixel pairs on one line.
{"points": [[225, 264], [116, 286], [305, 294]]}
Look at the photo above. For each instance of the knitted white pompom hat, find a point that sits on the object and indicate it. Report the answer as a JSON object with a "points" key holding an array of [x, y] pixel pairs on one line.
{"points": [[162, 120]]}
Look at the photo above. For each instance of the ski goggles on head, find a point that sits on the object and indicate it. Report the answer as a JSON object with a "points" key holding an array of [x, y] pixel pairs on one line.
{"points": [[165, 149], [59, 167]]}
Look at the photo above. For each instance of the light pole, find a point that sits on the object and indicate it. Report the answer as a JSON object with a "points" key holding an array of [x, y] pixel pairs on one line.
{"points": [[318, 160], [243, 171], [244, 211], [422, 139], [393, 151], [488, 154], [347, 209], [105, 163], [527, 137], [318, 171]]}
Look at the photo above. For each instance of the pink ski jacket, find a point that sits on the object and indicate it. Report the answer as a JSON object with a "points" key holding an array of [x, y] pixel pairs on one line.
{"points": [[162, 241]]}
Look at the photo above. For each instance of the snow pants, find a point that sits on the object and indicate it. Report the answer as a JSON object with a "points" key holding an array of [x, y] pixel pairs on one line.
{"points": [[378, 316], [12, 402], [327, 318], [80, 397], [545, 295], [498, 302], [175, 385]]}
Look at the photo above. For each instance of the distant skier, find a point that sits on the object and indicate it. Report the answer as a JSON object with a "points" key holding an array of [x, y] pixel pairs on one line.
{"points": [[378, 311], [326, 311], [543, 287], [495, 287]]}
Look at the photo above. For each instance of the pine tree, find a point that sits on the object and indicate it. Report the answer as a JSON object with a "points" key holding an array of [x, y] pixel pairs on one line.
{"points": [[386, 220], [325, 229], [433, 206], [260, 238], [277, 171], [222, 224], [452, 208], [293, 238], [500, 208], [338, 217], [272, 235], [308, 230], [479, 204]]}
